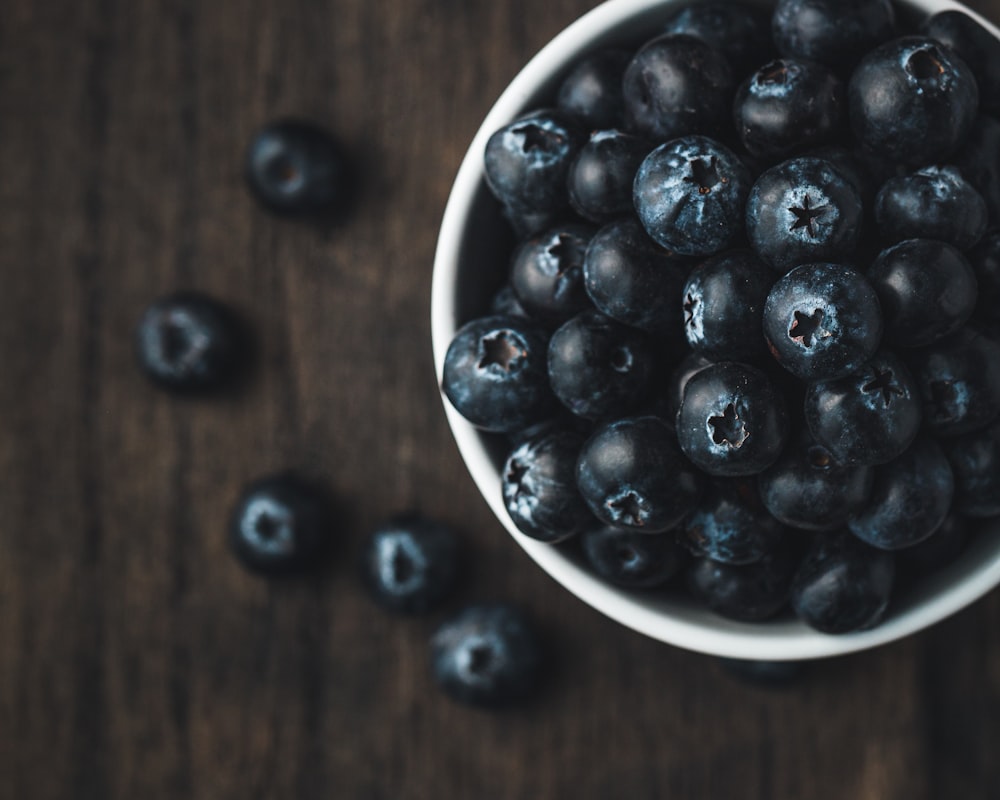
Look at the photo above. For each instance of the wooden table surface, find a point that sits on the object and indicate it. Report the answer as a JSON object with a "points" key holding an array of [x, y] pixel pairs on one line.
{"points": [[137, 660]]}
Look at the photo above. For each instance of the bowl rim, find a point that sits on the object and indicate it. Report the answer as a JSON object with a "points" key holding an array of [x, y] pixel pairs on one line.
{"points": [[694, 629]]}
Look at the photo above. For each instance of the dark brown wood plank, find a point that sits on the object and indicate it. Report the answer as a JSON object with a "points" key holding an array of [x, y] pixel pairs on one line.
{"points": [[136, 658]]}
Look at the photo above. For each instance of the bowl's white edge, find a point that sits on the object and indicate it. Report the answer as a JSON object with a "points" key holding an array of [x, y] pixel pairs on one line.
{"points": [[694, 630]]}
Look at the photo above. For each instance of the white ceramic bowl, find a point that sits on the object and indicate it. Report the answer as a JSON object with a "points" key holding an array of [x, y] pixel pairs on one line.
{"points": [[471, 256]]}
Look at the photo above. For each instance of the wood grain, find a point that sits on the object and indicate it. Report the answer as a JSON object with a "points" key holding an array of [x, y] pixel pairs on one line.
{"points": [[136, 658]]}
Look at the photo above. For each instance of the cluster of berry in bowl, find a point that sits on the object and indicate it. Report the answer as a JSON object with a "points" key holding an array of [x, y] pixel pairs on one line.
{"points": [[747, 344]]}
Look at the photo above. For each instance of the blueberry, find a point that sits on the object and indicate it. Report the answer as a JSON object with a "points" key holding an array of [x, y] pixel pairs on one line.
{"points": [[505, 303], [295, 168], [741, 32], [749, 592], [539, 487], [410, 563], [732, 421], [822, 321], [527, 163], [912, 101], [633, 280], [677, 85], [189, 343], [932, 203], [632, 560], [281, 524], [789, 105], [723, 304], [592, 91], [547, 273], [689, 194], [843, 585], [801, 211], [808, 488], [979, 162], [975, 45], [910, 499], [926, 289], [488, 656], [632, 476], [959, 382], [975, 462], [731, 525], [985, 261], [834, 32], [868, 417], [600, 179], [941, 548], [599, 368], [495, 373]]}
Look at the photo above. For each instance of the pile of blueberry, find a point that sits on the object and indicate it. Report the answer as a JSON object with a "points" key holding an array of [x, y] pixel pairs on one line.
{"points": [[750, 340], [189, 343]]}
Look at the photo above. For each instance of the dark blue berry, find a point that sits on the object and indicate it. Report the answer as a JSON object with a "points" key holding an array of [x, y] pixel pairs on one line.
{"points": [[834, 32], [281, 524], [975, 462], [926, 289], [910, 499], [912, 101], [527, 163], [723, 304], [599, 368], [959, 382], [843, 585], [496, 375], [592, 91], [975, 45], [749, 592], [803, 211], [633, 280], [633, 476], [689, 194], [979, 162], [985, 261], [546, 273], [296, 168], [539, 487], [868, 417], [487, 656], [808, 488], [932, 203], [731, 525], [600, 179], [632, 560], [741, 32], [677, 85], [732, 420], [789, 105], [410, 563], [505, 303], [941, 548], [189, 343], [822, 321]]}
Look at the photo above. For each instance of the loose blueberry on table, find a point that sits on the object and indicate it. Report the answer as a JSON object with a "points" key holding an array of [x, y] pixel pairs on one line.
{"points": [[281, 524], [190, 343], [410, 563], [793, 367], [488, 656], [296, 168]]}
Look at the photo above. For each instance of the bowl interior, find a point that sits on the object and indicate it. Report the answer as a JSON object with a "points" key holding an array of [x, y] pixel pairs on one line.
{"points": [[471, 264]]}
